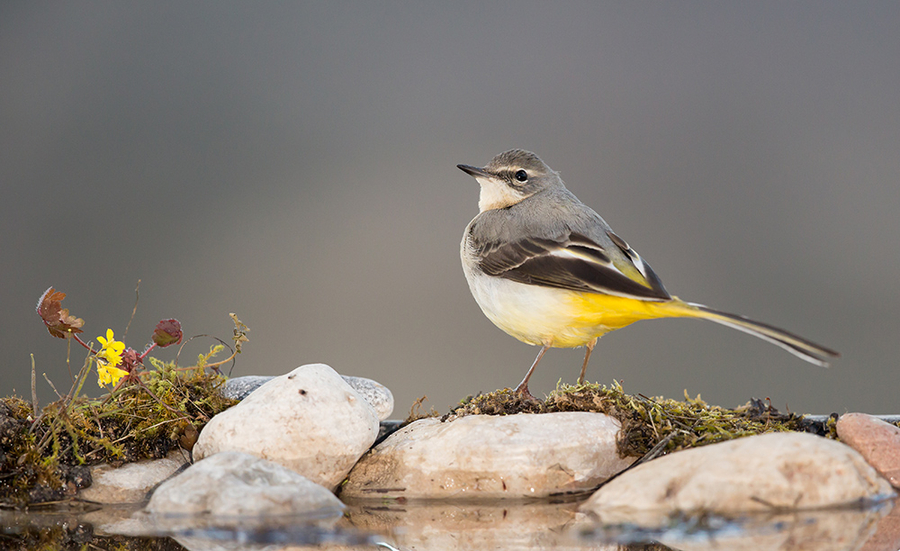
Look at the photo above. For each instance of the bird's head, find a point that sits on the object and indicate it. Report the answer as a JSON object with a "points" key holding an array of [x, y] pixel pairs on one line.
{"points": [[511, 177]]}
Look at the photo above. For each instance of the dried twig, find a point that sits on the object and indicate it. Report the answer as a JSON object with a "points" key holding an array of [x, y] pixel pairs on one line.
{"points": [[34, 401], [137, 297]]}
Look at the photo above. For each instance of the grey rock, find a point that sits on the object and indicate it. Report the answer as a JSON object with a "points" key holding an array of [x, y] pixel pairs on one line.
{"points": [[237, 388], [378, 395], [234, 484], [132, 482]]}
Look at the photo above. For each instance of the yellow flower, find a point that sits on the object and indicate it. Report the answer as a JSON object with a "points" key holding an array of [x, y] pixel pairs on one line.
{"points": [[108, 358], [112, 349], [108, 374]]}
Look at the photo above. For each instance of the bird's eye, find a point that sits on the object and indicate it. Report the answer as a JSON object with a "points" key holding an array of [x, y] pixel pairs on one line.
{"points": [[521, 175]]}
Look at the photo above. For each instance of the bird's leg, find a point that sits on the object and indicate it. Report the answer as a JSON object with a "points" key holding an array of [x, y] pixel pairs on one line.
{"points": [[589, 347], [522, 389]]}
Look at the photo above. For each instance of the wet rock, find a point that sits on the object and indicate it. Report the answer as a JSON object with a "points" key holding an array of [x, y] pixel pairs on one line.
{"points": [[309, 420], [234, 484], [132, 482], [486, 456], [769, 472], [378, 395], [876, 440]]}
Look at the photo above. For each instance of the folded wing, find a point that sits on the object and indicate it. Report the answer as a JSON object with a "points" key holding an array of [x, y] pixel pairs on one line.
{"points": [[574, 262]]}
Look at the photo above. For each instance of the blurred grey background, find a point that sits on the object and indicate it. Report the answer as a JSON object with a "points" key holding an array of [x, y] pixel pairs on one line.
{"points": [[295, 163]]}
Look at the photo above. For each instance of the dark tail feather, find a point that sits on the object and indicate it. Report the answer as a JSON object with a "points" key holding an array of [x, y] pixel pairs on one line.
{"points": [[808, 350]]}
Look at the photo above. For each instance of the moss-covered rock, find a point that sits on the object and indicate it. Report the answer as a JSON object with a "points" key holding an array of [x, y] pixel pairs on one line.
{"points": [[657, 424], [44, 458]]}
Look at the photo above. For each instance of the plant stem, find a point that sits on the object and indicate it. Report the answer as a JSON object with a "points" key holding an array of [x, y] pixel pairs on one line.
{"points": [[144, 354], [82, 343]]}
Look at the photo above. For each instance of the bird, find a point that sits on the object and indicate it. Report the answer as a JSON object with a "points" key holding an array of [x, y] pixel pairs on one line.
{"points": [[549, 271]]}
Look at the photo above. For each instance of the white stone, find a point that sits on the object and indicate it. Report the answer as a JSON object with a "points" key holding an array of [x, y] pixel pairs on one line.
{"points": [[131, 482], [492, 457], [309, 420], [233, 484], [765, 473], [378, 395]]}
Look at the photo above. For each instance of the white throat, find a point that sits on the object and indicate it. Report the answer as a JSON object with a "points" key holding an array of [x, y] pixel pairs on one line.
{"points": [[495, 195]]}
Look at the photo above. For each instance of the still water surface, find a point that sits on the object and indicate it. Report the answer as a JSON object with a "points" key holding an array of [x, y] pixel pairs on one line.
{"points": [[443, 526]]}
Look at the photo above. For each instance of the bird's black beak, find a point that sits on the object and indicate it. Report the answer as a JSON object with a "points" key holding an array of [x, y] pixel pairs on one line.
{"points": [[474, 171]]}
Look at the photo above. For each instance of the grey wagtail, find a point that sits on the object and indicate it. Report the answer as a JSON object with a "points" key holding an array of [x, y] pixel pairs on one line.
{"points": [[545, 268]]}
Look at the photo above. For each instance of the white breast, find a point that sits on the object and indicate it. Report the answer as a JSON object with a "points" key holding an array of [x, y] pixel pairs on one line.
{"points": [[533, 314]]}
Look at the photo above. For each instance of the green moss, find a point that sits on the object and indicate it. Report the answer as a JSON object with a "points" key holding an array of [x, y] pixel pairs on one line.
{"points": [[657, 425], [45, 459]]}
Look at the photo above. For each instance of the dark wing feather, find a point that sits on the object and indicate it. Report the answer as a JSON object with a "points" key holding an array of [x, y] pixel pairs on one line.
{"points": [[576, 263]]}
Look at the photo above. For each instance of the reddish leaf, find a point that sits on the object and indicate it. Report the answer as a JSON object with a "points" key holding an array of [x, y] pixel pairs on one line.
{"points": [[48, 305], [56, 318], [130, 360], [167, 333]]}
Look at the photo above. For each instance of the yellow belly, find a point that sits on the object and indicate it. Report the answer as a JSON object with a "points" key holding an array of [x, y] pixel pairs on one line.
{"points": [[563, 319]]}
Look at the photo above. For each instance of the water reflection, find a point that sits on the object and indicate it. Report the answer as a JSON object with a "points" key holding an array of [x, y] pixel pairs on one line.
{"points": [[831, 530], [443, 526], [475, 525]]}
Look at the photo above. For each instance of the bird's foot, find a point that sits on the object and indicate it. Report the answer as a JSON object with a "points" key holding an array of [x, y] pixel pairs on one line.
{"points": [[524, 394]]}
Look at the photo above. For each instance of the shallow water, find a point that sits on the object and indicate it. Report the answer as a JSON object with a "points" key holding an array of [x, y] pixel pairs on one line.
{"points": [[447, 526]]}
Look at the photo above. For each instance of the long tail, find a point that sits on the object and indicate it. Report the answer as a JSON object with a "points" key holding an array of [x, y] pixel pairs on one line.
{"points": [[807, 350]]}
